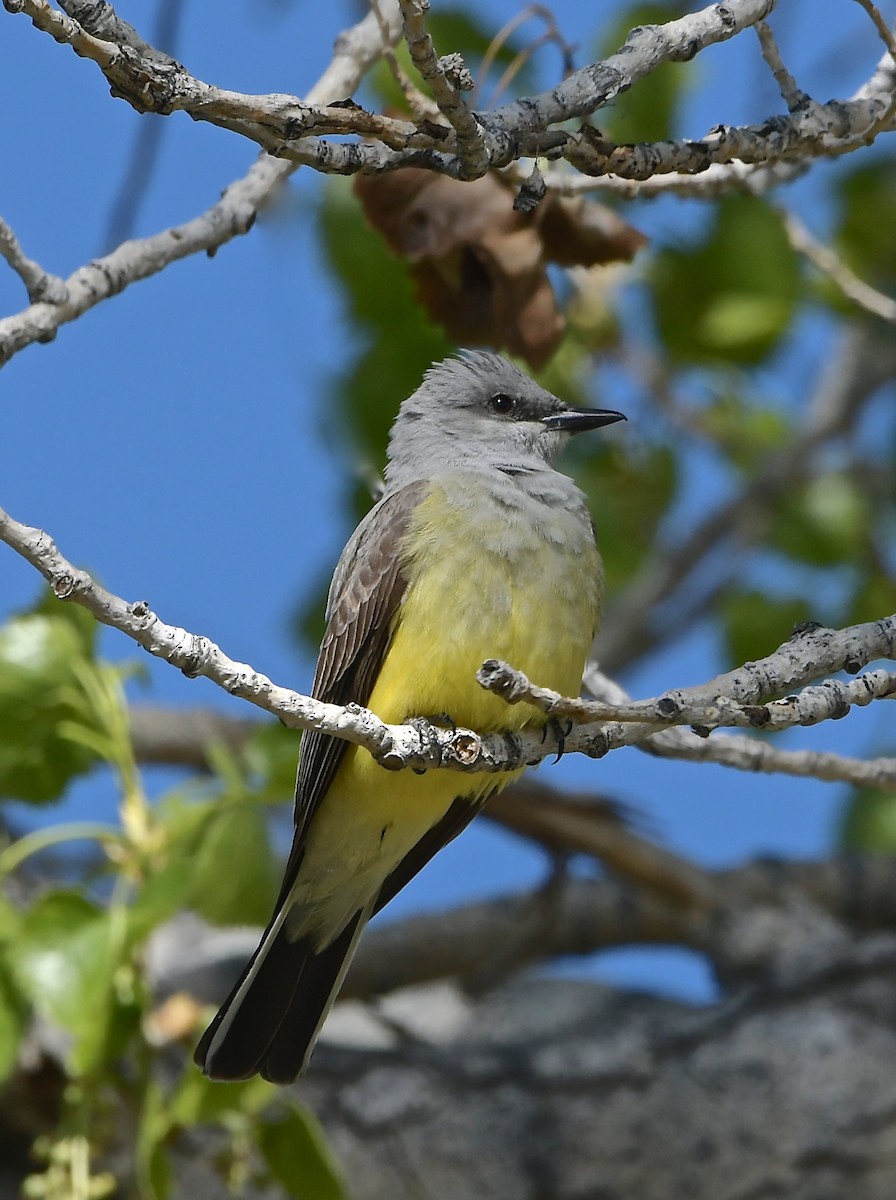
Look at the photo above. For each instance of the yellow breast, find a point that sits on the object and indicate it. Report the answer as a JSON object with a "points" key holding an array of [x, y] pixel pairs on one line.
{"points": [[485, 582]]}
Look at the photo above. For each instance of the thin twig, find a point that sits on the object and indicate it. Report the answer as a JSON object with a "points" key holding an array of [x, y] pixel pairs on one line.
{"points": [[423, 107], [792, 95], [748, 753], [552, 35], [883, 29], [42, 287], [832, 265], [357, 48], [448, 78], [829, 700]]}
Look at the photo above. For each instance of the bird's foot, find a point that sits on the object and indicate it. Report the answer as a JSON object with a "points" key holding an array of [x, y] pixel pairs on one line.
{"points": [[561, 730]]}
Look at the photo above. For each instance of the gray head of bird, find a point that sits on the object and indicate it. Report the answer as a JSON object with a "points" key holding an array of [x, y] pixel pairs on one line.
{"points": [[478, 409]]}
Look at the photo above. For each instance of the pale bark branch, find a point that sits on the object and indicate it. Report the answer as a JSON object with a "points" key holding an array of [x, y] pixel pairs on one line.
{"points": [[815, 131], [40, 284], [832, 265], [421, 745], [355, 51], [297, 129], [719, 179], [829, 700], [791, 93], [448, 78], [748, 753]]}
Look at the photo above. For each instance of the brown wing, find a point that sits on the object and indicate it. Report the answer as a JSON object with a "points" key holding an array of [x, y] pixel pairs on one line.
{"points": [[367, 589]]}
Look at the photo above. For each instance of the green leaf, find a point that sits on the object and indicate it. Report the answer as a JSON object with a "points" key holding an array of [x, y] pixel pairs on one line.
{"points": [[869, 822], [825, 522], [648, 111], [755, 624], [13, 1019], [153, 1168], [745, 429], [38, 657], [202, 1101], [629, 493], [298, 1157], [866, 236], [738, 320], [233, 872], [10, 921], [67, 953], [170, 887], [731, 296]]}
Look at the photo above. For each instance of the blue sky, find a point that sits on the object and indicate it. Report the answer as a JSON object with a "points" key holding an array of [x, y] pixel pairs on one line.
{"points": [[174, 440]]}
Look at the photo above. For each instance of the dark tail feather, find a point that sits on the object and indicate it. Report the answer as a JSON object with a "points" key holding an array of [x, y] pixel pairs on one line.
{"points": [[290, 1047], [270, 1021]]}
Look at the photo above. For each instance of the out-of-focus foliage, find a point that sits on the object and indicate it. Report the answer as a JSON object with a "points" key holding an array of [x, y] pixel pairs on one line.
{"points": [[729, 297], [39, 655], [869, 821], [74, 955], [865, 192]]}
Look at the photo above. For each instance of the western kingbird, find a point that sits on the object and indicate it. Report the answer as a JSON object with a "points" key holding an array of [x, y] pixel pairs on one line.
{"points": [[478, 549]]}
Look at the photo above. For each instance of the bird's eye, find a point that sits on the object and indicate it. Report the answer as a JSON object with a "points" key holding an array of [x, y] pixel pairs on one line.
{"points": [[503, 404]]}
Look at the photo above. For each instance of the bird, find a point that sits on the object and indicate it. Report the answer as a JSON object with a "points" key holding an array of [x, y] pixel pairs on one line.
{"points": [[477, 549]]}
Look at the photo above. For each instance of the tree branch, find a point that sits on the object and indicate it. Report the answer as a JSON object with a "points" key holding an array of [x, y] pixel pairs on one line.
{"points": [[40, 284], [792, 95], [771, 902], [831, 700], [355, 51], [421, 745], [290, 128], [448, 78], [747, 753], [826, 260]]}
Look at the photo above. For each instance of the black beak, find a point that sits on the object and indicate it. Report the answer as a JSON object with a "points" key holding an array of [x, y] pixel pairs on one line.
{"points": [[579, 420]]}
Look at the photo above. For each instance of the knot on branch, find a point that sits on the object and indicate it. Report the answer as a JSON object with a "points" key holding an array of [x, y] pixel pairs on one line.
{"points": [[668, 706], [64, 585], [195, 661], [147, 87], [464, 747]]}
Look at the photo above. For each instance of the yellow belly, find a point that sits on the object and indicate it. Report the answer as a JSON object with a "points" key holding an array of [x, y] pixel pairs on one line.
{"points": [[490, 591]]}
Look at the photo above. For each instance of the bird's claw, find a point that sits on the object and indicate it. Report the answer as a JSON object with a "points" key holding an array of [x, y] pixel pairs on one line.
{"points": [[561, 731]]}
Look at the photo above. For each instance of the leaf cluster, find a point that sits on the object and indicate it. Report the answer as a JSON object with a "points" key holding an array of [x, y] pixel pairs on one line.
{"points": [[73, 954]]}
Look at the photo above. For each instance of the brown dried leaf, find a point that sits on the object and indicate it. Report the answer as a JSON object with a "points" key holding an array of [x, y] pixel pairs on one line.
{"points": [[479, 265], [576, 232]]}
